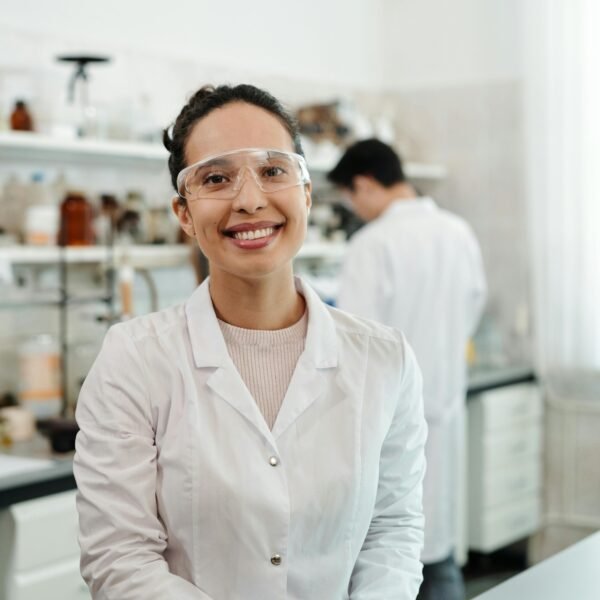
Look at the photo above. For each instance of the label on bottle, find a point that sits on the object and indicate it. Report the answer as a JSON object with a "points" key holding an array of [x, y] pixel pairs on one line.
{"points": [[40, 377]]}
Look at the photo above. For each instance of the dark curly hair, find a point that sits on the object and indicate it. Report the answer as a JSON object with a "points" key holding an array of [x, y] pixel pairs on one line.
{"points": [[209, 98]]}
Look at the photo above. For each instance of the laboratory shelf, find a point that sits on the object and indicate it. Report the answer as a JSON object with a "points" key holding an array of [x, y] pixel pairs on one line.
{"points": [[35, 146], [414, 170], [140, 256], [149, 256]]}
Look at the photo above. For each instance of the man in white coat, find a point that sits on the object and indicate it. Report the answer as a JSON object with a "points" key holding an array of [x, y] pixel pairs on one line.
{"points": [[418, 268]]}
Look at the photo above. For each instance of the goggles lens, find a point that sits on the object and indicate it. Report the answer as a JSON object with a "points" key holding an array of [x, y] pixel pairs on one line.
{"points": [[221, 177]]}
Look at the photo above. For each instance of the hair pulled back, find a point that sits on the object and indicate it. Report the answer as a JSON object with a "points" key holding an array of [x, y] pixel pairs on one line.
{"points": [[209, 98]]}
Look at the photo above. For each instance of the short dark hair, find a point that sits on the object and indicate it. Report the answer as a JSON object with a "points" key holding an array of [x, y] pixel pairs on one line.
{"points": [[209, 98], [368, 157]]}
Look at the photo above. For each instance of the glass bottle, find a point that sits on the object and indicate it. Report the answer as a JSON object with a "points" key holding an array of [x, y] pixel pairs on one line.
{"points": [[20, 119], [76, 220]]}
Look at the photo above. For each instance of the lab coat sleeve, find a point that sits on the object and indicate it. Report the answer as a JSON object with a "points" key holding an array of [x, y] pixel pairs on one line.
{"points": [[121, 536], [478, 295], [388, 565], [364, 284]]}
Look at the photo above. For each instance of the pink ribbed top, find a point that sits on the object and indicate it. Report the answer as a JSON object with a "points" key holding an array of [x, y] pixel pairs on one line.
{"points": [[266, 361]]}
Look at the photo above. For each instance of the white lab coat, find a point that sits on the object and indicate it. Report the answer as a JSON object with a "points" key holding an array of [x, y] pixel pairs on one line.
{"points": [[419, 269], [178, 498]]}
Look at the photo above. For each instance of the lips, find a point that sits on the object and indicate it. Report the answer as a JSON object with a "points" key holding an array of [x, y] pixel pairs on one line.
{"points": [[253, 236]]}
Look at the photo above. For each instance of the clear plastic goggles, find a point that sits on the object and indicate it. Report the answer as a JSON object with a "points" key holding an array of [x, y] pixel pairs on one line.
{"points": [[222, 177]]}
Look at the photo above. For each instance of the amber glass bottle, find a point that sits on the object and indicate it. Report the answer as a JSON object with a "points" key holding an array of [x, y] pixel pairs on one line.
{"points": [[20, 119], [76, 221]]}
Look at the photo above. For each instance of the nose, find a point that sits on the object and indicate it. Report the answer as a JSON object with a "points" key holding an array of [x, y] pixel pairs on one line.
{"points": [[250, 197]]}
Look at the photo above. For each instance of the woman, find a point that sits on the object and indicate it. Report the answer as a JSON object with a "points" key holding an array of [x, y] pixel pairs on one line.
{"points": [[251, 443]]}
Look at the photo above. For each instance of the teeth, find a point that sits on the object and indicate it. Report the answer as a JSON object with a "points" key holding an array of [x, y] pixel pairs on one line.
{"points": [[254, 234]]}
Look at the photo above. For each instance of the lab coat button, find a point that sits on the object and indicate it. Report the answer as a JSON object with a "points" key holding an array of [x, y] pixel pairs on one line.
{"points": [[273, 461], [276, 560]]}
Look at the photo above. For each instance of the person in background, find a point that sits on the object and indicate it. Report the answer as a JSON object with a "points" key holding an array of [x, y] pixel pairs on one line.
{"points": [[251, 443], [418, 268]]}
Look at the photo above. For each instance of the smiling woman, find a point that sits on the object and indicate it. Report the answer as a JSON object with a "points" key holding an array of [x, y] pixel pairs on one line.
{"points": [[252, 442]]}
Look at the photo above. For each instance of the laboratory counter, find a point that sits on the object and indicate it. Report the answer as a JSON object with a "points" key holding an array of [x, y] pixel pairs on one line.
{"points": [[30, 470], [572, 574]]}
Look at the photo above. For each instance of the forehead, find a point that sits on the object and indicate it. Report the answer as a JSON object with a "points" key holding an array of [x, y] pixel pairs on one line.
{"points": [[233, 126]]}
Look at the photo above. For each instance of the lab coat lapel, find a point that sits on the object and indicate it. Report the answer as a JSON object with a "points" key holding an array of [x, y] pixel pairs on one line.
{"points": [[210, 351], [320, 356], [227, 383]]}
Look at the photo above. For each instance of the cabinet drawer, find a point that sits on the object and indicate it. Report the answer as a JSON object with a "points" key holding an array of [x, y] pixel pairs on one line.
{"points": [[511, 483], [503, 525], [505, 407], [58, 581], [505, 448], [44, 531]]}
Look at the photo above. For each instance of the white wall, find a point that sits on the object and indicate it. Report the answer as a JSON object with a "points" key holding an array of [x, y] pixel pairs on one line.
{"points": [[333, 41], [436, 43], [368, 44]]}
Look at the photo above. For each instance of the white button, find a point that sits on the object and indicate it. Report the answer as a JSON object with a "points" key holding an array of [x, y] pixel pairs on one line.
{"points": [[276, 560], [273, 461]]}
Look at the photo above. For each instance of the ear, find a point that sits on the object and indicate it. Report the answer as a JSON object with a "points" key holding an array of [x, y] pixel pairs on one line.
{"points": [[183, 215], [308, 194]]}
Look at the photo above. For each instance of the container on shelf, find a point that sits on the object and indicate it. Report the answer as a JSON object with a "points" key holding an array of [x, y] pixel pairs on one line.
{"points": [[41, 225], [106, 221], [132, 225], [20, 119], [41, 215], [76, 221], [39, 376], [12, 206]]}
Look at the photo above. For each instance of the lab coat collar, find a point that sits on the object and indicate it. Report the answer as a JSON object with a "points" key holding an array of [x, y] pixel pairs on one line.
{"points": [[406, 206], [208, 345]]}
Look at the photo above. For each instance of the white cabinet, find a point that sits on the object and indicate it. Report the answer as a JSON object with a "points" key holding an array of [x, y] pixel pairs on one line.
{"points": [[504, 466], [39, 556]]}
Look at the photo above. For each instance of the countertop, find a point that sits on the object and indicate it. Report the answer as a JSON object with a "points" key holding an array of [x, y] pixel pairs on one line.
{"points": [[42, 473], [570, 574], [482, 379], [55, 474]]}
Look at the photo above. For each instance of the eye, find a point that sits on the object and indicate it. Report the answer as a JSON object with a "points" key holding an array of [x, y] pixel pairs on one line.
{"points": [[273, 171], [214, 179]]}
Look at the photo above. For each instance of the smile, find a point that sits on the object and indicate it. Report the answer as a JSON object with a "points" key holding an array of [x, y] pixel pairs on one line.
{"points": [[254, 234]]}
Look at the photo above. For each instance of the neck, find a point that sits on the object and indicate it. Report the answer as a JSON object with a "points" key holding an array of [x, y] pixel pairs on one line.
{"points": [[400, 191], [267, 303]]}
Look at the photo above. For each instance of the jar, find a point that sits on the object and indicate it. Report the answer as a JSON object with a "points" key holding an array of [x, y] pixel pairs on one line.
{"points": [[41, 225], [40, 390], [76, 221], [20, 119]]}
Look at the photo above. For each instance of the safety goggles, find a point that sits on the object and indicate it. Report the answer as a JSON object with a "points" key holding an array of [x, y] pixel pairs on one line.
{"points": [[221, 177]]}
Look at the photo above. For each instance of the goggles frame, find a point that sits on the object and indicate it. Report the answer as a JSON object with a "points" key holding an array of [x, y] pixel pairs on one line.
{"points": [[304, 174]]}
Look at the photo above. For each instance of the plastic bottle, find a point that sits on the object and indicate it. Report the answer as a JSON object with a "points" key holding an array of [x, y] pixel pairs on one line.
{"points": [[12, 210], [39, 370], [42, 214]]}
